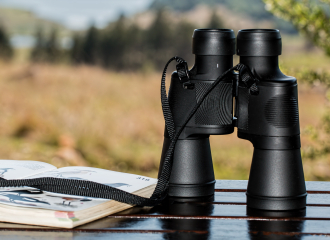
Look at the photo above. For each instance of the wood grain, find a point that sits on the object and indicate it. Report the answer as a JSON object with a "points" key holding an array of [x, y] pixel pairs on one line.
{"points": [[224, 217]]}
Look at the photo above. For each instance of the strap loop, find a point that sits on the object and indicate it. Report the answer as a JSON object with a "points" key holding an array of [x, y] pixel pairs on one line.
{"points": [[248, 79], [183, 72]]}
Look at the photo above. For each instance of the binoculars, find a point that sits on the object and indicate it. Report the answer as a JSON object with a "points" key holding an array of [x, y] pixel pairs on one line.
{"points": [[265, 113]]}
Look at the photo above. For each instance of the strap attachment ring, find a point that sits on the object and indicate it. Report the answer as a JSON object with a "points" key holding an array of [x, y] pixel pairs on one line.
{"points": [[248, 79], [183, 74]]}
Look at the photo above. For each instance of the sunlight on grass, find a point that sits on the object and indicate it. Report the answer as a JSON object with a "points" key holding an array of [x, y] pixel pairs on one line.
{"points": [[84, 115]]}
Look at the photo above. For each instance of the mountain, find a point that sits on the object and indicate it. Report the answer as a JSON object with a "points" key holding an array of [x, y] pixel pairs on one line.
{"points": [[21, 22], [251, 9]]}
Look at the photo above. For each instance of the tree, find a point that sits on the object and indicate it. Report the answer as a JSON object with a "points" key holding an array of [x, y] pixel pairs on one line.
{"points": [[52, 49], [90, 46], [159, 34], [160, 40], [182, 5], [309, 18], [182, 43], [6, 50], [114, 44], [76, 49], [133, 56], [215, 21], [37, 53], [46, 50], [313, 22]]}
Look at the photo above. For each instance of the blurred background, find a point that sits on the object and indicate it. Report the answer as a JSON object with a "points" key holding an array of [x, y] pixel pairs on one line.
{"points": [[80, 79]]}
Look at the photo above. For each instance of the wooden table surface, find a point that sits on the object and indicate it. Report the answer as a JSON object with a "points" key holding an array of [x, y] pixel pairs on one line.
{"points": [[224, 217]]}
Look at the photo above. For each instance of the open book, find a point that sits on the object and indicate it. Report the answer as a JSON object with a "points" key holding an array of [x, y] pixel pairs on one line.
{"points": [[28, 205]]}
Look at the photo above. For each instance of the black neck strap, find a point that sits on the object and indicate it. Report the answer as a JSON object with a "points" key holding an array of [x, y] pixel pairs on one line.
{"points": [[97, 190]]}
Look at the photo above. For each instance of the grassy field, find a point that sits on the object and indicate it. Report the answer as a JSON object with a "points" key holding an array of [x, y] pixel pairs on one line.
{"points": [[82, 115]]}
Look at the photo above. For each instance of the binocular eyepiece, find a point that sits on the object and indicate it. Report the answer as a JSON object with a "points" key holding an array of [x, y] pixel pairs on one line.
{"points": [[265, 113]]}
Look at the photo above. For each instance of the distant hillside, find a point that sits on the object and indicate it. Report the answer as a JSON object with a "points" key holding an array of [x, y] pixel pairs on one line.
{"points": [[253, 9], [20, 22]]}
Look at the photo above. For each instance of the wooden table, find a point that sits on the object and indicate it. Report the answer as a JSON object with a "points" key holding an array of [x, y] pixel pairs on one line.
{"points": [[225, 217]]}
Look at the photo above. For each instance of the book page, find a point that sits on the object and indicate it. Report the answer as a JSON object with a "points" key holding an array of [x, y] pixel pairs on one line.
{"points": [[34, 198], [29, 197], [18, 169]]}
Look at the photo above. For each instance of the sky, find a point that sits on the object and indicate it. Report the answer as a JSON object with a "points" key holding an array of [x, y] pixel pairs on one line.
{"points": [[79, 14]]}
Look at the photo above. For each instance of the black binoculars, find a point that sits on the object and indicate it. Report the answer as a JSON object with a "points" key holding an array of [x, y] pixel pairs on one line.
{"points": [[265, 113]]}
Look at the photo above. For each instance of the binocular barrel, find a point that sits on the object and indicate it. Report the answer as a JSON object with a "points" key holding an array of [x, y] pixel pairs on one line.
{"points": [[269, 119], [192, 171]]}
